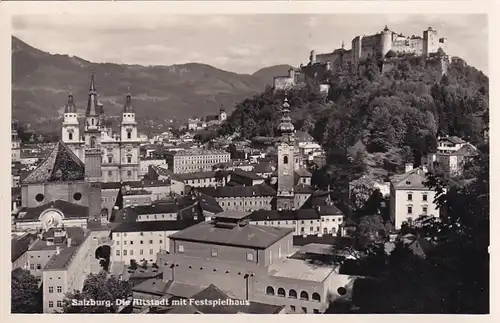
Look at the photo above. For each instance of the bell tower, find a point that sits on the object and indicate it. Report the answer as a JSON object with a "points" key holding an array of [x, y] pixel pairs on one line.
{"points": [[70, 130], [286, 160], [129, 145]]}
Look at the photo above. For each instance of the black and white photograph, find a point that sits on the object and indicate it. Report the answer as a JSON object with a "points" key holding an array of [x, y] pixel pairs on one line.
{"points": [[284, 163]]}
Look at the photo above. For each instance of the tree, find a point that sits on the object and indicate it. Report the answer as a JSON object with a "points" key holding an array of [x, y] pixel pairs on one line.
{"points": [[359, 193], [98, 287], [26, 295], [144, 264]]}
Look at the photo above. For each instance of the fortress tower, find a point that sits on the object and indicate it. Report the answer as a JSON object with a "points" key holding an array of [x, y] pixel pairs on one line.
{"points": [[385, 41]]}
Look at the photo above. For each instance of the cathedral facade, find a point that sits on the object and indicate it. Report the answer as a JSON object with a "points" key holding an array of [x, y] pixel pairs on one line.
{"points": [[120, 152]]}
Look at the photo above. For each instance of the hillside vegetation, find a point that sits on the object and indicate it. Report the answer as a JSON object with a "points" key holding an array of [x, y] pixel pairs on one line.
{"points": [[41, 80], [372, 122]]}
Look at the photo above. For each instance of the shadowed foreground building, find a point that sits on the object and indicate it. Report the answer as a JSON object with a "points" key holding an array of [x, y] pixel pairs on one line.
{"points": [[249, 262]]}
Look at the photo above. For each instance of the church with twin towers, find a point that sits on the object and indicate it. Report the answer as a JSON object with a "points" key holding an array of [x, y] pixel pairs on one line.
{"points": [[120, 152]]}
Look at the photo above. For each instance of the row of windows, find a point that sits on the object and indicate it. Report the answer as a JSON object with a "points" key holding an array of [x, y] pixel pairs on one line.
{"points": [[410, 197], [292, 293], [110, 173], [128, 159], [105, 199], [410, 209], [132, 242], [51, 289], [140, 233], [58, 304], [141, 252], [251, 202], [302, 221], [304, 310], [214, 252], [199, 180]]}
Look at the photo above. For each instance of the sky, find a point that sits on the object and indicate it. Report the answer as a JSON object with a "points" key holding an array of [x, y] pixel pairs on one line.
{"points": [[237, 43]]}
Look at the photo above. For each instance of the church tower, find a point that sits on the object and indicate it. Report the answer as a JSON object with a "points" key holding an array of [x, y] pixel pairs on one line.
{"points": [[70, 131], [286, 161], [129, 143]]}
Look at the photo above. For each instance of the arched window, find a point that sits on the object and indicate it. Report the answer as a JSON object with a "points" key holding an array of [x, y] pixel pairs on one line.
{"points": [[269, 290], [70, 136], [304, 295], [281, 292], [129, 173], [92, 142], [316, 297], [129, 133], [129, 159], [92, 121], [110, 159], [285, 160], [292, 293]]}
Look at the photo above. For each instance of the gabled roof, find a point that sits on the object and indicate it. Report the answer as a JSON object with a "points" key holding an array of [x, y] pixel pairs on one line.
{"points": [[413, 179], [61, 165], [453, 139], [467, 150]]}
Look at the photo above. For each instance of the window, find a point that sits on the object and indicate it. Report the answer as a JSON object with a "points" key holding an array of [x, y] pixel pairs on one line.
{"points": [[150, 241], [32, 266], [92, 139], [292, 293], [285, 160], [304, 310], [117, 252], [51, 303], [70, 136], [315, 311], [302, 229], [141, 242], [304, 295], [269, 290], [51, 289], [311, 229], [214, 253], [129, 173], [292, 307], [131, 242], [410, 210], [129, 135], [38, 266], [281, 292], [125, 242], [124, 252], [59, 304], [410, 196], [131, 252], [59, 289], [180, 248], [39, 197], [424, 197], [316, 297], [129, 159], [150, 251], [424, 209], [141, 252], [249, 256]]}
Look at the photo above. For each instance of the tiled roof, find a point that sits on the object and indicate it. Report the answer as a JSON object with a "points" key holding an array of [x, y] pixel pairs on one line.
{"points": [[238, 191], [413, 179], [467, 150], [302, 172], [274, 215], [151, 226], [70, 210], [62, 260], [196, 175], [20, 245], [61, 165], [248, 235], [161, 171], [246, 174], [206, 202], [264, 167], [303, 189]]}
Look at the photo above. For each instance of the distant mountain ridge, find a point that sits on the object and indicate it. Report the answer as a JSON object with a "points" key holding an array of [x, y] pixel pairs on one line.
{"points": [[41, 82]]}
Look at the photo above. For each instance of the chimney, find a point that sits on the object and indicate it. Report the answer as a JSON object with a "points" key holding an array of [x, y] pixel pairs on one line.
{"points": [[408, 167], [69, 242]]}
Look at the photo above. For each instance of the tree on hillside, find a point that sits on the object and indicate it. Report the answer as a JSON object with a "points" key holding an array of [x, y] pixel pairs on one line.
{"points": [[133, 264], [26, 296], [98, 287]]}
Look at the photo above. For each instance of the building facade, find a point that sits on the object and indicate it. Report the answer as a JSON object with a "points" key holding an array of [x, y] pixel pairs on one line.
{"points": [[410, 199], [120, 152], [195, 160]]}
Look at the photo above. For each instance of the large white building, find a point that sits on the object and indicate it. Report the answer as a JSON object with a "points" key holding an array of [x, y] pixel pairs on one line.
{"points": [[410, 198], [120, 153]]}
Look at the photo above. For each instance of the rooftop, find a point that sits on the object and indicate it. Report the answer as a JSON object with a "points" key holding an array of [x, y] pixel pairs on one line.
{"points": [[69, 210], [238, 191], [246, 174], [246, 235], [151, 226], [300, 270], [61, 165], [275, 215], [199, 152], [62, 260]]}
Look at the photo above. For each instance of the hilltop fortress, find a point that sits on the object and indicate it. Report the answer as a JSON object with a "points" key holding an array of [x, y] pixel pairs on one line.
{"points": [[381, 45]]}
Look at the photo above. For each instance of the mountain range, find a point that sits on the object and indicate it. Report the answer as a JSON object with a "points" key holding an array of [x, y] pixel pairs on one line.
{"points": [[41, 82]]}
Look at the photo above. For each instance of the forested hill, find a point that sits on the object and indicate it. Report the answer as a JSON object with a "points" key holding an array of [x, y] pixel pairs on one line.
{"points": [[380, 120]]}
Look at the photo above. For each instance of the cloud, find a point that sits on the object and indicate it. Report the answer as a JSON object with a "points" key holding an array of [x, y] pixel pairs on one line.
{"points": [[240, 43]]}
